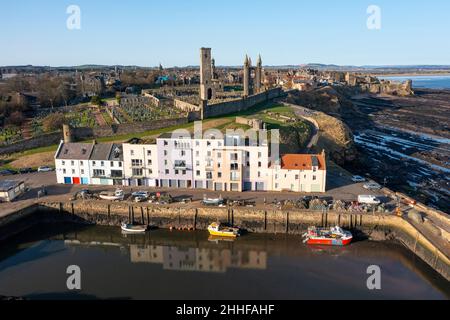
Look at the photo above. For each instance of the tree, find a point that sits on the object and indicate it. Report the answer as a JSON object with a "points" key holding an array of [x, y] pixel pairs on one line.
{"points": [[53, 122], [96, 100], [16, 118], [48, 93]]}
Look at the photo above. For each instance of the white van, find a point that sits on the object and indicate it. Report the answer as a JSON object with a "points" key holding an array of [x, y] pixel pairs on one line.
{"points": [[366, 199]]}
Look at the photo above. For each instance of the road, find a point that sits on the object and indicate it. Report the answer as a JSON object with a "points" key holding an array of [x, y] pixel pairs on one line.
{"points": [[306, 114]]}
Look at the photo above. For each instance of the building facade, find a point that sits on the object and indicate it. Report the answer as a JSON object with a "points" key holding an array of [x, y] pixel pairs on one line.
{"points": [[230, 163]]}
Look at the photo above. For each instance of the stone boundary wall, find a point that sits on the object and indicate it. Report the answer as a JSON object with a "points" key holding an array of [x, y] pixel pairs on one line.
{"points": [[242, 104], [156, 101], [32, 143], [185, 106]]}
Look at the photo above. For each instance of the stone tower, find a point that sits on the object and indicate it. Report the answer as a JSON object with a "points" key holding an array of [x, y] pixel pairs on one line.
{"points": [[258, 75], [67, 134], [213, 68], [206, 84], [247, 75]]}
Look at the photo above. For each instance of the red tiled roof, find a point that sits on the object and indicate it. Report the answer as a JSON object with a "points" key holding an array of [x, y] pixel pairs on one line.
{"points": [[302, 161]]}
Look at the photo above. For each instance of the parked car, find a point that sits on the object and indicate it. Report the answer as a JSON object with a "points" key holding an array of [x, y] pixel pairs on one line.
{"points": [[45, 169], [7, 172], [372, 186], [143, 194], [26, 170], [368, 199], [358, 179]]}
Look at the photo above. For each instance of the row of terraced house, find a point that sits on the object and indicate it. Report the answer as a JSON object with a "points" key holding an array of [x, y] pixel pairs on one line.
{"points": [[231, 163]]}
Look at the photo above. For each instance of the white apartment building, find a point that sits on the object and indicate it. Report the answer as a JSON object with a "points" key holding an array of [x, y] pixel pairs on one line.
{"points": [[299, 173], [72, 163], [140, 164], [106, 164]]}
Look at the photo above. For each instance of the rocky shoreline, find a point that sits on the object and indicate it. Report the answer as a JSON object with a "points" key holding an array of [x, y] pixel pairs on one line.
{"points": [[402, 142]]}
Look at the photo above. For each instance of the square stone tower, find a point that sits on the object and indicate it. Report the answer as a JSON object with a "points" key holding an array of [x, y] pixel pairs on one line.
{"points": [[206, 84]]}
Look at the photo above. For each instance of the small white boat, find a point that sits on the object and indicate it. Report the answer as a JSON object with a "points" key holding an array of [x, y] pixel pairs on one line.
{"points": [[212, 202], [117, 195], [132, 228]]}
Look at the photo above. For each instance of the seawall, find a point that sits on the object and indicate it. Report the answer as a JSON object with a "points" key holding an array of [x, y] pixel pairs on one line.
{"points": [[376, 227]]}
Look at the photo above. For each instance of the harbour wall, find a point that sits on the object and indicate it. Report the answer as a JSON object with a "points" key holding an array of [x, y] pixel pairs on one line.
{"points": [[274, 221]]}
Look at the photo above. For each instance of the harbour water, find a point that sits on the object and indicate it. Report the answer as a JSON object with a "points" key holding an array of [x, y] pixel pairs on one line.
{"points": [[190, 265], [425, 81]]}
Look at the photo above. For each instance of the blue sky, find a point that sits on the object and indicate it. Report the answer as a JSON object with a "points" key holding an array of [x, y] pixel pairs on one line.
{"points": [[146, 32]]}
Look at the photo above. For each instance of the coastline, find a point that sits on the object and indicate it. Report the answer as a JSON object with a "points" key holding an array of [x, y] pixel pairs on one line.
{"points": [[414, 74]]}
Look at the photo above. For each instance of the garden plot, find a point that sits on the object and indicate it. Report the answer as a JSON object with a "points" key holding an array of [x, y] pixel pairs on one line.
{"points": [[140, 113]]}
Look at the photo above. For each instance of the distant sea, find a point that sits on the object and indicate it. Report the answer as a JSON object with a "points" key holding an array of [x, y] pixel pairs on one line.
{"points": [[425, 81]]}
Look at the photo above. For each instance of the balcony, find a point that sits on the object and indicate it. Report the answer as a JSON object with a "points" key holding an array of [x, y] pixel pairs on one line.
{"points": [[181, 165], [235, 177], [209, 167]]}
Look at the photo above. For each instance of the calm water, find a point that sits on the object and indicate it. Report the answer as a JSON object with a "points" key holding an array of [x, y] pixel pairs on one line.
{"points": [[426, 81], [165, 265]]}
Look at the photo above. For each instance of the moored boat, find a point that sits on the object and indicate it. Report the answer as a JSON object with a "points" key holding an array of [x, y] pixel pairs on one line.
{"points": [[335, 236], [133, 228], [217, 229], [212, 202], [117, 195]]}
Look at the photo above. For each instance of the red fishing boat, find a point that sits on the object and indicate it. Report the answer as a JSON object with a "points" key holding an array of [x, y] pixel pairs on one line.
{"points": [[335, 236]]}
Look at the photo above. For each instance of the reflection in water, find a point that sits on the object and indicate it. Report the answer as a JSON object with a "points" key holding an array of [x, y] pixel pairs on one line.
{"points": [[180, 258], [154, 265], [196, 259]]}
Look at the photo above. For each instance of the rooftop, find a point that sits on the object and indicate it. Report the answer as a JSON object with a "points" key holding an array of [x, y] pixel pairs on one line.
{"points": [[302, 161], [7, 185], [101, 151], [79, 151]]}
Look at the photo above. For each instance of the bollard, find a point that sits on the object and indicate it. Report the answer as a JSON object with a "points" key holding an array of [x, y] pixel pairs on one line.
{"points": [[265, 220]]}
